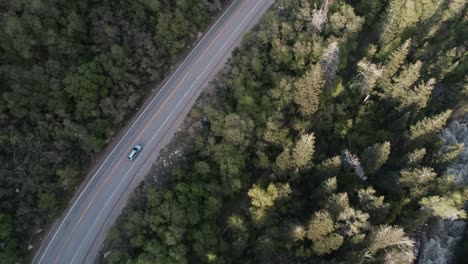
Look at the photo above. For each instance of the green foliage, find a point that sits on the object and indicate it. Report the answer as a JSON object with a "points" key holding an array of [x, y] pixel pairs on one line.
{"points": [[418, 180], [368, 75], [263, 199], [321, 225], [389, 236], [329, 167], [236, 130], [370, 9], [351, 221], [70, 73], [447, 206], [328, 244], [394, 63], [303, 151], [320, 231], [308, 88], [449, 154], [402, 16], [415, 157], [424, 130], [86, 87], [370, 202], [375, 156]]}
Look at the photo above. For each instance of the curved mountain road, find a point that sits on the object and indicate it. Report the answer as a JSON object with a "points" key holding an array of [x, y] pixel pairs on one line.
{"points": [[78, 235]]}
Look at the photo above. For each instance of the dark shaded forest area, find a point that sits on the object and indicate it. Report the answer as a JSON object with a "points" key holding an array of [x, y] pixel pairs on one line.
{"points": [[70, 73], [323, 144]]}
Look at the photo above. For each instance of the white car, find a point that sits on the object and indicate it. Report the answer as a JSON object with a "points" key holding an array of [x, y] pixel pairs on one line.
{"points": [[134, 153]]}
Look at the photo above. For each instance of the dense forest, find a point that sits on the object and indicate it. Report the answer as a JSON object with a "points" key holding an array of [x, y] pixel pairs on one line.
{"points": [[326, 142], [70, 73]]}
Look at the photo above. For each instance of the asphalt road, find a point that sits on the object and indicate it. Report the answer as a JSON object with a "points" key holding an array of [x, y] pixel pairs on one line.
{"points": [[78, 235]]}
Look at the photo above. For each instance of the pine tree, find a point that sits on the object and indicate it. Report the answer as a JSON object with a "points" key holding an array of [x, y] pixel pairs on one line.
{"points": [[304, 11], [405, 94], [329, 186], [328, 244], [262, 199], [368, 200], [337, 203], [416, 98], [402, 15], [236, 130], [397, 58], [275, 132], [368, 75], [320, 225], [281, 94], [320, 231], [388, 236], [415, 157], [418, 180], [424, 130], [391, 20], [449, 153], [351, 221], [307, 90], [238, 231], [303, 152], [329, 167], [402, 83], [375, 156], [283, 162], [447, 206]]}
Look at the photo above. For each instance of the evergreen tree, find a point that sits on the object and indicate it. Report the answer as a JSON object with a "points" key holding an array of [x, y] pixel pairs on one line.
{"points": [[283, 162], [303, 152], [448, 206], [417, 98], [328, 244], [449, 153], [368, 200], [426, 129], [403, 81], [418, 180], [390, 22], [263, 199], [236, 130], [320, 231], [375, 156], [404, 15], [320, 226], [337, 203], [350, 222], [329, 167], [415, 157], [307, 90], [386, 237], [329, 186], [396, 60], [367, 77]]}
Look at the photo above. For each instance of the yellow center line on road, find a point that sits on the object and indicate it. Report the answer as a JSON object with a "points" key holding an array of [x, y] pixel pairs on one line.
{"points": [[146, 126]]}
